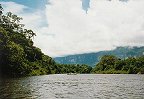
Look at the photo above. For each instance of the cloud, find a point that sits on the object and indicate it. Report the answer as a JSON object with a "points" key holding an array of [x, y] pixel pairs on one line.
{"points": [[13, 7], [106, 25], [71, 31]]}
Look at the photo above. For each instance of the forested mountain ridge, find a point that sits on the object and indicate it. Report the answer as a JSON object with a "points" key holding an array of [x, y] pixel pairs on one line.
{"points": [[93, 58]]}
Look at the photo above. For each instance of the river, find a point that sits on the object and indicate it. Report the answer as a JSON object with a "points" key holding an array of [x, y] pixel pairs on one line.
{"points": [[80, 86]]}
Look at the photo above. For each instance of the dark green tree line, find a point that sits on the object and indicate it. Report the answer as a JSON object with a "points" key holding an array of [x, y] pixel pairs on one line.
{"points": [[112, 64]]}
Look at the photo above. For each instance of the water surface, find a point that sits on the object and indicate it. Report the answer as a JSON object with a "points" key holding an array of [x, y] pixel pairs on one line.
{"points": [[81, 86]]}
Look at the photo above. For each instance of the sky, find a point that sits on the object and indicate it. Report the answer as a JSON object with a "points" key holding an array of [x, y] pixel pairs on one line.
{"points": [[66, 27]]}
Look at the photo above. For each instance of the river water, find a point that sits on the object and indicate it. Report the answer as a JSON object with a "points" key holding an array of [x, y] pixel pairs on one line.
{"points": [[80, 86]]}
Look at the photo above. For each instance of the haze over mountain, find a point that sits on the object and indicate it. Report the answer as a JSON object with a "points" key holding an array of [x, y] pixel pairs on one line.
{"points": [[93, 58]]}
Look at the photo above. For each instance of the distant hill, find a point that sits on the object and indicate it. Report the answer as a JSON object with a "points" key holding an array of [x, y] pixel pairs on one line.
{"points": [[93, 58]]}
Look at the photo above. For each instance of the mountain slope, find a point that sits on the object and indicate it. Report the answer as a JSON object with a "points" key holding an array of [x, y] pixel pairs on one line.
{"points": [[93, 58]]}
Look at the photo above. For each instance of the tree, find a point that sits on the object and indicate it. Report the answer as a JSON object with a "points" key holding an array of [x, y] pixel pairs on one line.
{"points": [[29, 33], [1, 12], [106, 62], [119, 64], [18, 56]]}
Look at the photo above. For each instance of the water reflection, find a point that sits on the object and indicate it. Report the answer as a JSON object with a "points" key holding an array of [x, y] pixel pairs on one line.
{"points": [[14, 89]]}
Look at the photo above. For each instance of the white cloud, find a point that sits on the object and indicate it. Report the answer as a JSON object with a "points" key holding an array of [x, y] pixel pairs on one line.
{"points": [[71, 31], [13, 7], [106, 25]]}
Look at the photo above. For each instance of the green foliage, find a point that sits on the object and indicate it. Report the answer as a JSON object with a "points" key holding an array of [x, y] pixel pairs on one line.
{"points": [[73, 68], [111, 64], [107, 62], [18, 56]]}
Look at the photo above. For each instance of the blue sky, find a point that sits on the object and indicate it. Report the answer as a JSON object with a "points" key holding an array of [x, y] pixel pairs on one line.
{"points": [[86, 5], [64, 28], [30, 3]]}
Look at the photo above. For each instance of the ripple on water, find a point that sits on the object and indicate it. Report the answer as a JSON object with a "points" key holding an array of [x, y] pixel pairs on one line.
{"points": [[84, 86]]}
